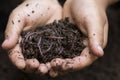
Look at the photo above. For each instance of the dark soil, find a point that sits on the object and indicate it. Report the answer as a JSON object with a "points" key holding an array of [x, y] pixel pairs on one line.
{"points": [[60, 39]]}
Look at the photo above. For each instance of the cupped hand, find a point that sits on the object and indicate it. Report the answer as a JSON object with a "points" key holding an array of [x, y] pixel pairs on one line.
{"points": [[27, 16], [92, 22]]}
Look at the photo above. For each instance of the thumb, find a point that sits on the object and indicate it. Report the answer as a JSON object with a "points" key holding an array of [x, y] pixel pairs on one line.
{"points": [[13, 30], [95, 31]]}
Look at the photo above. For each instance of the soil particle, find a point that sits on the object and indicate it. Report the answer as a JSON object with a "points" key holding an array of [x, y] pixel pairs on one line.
{"points": [[33, 11], [12, 22], [27, 5], [19, 21], [28, 15]]}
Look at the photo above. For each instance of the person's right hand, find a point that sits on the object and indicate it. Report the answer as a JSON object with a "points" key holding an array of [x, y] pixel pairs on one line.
{"points": [[27, 16]]}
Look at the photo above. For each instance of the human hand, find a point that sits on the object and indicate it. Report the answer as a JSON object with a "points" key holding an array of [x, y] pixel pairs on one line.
{"points": [[92, 22], [27, 16]]}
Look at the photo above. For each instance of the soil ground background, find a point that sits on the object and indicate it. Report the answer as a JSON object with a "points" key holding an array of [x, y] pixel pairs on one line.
{"points": [[105, 68]]}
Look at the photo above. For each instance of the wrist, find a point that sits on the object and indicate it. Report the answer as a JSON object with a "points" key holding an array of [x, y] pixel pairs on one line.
{"points": [[106, 3]]}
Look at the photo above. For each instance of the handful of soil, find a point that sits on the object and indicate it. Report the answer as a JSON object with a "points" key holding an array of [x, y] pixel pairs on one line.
{"points": [[60, 39]]}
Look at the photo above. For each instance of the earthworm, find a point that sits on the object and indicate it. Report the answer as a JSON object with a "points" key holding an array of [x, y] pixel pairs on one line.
{"points": [[54, 37], [39, 42], [61, 50], [48, 48], [32, 33]]}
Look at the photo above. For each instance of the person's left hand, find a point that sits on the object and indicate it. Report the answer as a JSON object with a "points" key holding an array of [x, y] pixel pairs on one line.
{"points": [[92, 22]]}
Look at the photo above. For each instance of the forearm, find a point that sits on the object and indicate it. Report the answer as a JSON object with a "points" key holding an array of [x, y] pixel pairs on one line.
{"points": [[112, 1]]}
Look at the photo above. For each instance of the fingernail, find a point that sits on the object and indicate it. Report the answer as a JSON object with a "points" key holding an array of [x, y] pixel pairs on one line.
{"points": [[100, 51], [5, 41], [4, 44], [100, 48]]}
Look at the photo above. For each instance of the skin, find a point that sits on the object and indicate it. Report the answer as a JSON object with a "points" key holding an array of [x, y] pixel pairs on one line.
{"points": [[90, 17], [27, 16]]}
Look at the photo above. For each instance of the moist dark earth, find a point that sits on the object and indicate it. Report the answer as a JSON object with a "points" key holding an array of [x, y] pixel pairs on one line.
{"points": [[60, 39], [105, 68]]}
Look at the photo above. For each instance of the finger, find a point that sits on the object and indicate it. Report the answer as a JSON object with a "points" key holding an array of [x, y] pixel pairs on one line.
{"points": [[105, 35], [43, 69], [96, 37], [79, 62], [32, 65], [13, 30], [95, 30], [53, 73], [48, 65], [56, 63], [16, 57], [67, 65]]}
